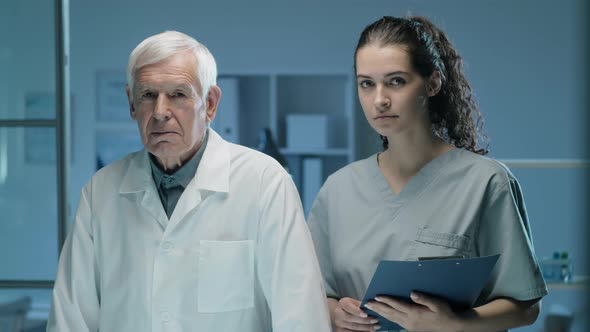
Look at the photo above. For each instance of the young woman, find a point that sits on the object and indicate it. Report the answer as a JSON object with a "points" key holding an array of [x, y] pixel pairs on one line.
{"points": [[431, 192]]}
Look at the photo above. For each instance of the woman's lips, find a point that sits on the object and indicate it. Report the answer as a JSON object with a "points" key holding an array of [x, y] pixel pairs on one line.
{"points": [[391, 116]]}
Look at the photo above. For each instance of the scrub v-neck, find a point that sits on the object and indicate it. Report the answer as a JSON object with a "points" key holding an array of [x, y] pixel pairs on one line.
{"points": [[417, 183]]}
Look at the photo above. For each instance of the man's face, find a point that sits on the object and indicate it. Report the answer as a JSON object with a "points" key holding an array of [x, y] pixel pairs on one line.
{"points": [[169, 110]]}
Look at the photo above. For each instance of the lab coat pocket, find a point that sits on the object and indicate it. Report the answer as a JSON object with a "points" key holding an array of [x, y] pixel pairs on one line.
{"points": [[225, 276]]}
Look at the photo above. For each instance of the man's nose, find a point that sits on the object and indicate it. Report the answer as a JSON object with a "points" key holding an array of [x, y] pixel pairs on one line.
{"points": [[162, 109]]}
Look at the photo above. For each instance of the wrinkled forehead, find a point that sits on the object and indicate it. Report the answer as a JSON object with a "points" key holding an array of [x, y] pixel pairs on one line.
{"points": [[165, 87]]}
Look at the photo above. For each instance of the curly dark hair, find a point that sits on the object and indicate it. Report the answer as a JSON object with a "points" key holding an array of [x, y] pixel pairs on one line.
{"points": [[454, 114]]}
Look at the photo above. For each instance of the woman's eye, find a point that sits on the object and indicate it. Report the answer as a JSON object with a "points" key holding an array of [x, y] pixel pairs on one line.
{"points": [[365, 84], [397, 81]]}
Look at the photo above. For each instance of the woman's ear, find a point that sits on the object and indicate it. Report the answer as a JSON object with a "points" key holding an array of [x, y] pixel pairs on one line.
{"points": [[434, 83]]}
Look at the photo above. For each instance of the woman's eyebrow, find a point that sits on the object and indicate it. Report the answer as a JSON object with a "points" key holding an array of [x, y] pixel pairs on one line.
{"points": [[393, 73], [397, 72]]}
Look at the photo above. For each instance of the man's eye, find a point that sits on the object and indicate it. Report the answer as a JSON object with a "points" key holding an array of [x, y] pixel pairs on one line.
{"points": [[365, 84], [148, 95], [178, 95]]}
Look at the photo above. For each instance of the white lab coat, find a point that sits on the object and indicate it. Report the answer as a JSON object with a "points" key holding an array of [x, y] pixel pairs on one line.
{"points": [[235, 255]]}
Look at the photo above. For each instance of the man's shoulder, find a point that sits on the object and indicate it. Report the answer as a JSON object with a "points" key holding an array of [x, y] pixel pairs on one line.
{"points": [[252, 161]]}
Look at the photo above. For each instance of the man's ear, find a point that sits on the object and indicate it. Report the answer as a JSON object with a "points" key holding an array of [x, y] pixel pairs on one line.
{"points": [[434, 83], [130, 100], [213, 98]]}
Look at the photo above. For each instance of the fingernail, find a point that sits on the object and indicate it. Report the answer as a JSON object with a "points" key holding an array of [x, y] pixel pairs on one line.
{"points": [[368, 306], [374, 321], [377, 298], [414, 296], [376, 327]]}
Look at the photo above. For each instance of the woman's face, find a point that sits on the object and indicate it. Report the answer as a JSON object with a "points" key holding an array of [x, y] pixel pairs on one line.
{"points": [[393, 95]]}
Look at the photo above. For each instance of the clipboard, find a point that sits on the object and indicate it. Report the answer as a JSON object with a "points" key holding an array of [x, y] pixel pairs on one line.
{"points": [[459, 281]]}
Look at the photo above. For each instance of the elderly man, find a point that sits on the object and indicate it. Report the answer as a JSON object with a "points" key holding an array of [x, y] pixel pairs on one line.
{"points": [[192, 233]]}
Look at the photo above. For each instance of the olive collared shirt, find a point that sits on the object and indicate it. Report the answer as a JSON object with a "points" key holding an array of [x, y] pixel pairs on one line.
{"points": [[171, 186]]}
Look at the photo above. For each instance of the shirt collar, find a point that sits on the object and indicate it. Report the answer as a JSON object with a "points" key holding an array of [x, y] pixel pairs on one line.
{"points": [[185, 173]]}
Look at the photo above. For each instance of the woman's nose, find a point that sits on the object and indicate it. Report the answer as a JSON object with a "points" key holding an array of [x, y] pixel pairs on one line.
{"points": [[382, 100]]}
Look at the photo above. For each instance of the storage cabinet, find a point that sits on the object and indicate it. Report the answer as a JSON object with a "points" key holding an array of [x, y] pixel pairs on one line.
{"points": [[310, 116]]}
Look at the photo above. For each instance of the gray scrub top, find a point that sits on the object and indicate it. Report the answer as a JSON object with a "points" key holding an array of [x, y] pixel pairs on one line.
{"points": [[460, 203]]}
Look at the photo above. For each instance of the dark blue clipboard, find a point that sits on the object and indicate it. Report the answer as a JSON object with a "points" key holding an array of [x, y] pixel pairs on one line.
{"points": [[459, 281]]}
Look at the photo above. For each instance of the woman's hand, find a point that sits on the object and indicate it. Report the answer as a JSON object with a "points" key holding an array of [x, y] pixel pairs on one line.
{"points": [[427, 313], [347, 316]]}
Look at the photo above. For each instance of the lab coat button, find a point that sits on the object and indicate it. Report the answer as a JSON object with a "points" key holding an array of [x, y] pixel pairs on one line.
{"points": [[167, 246]]}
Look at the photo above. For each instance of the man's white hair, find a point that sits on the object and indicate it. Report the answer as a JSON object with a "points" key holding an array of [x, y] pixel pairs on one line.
{"points": [[158, 47]]}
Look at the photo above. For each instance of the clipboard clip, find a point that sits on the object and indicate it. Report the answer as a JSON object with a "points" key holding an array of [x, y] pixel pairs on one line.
{"points": [[440, 257]]}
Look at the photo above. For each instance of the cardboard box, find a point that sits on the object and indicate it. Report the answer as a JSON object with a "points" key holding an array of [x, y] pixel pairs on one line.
{"points": [[307, 131]]}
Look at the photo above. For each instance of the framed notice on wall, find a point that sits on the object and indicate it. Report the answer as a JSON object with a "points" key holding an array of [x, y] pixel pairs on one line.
{"points": [[112, 104]]}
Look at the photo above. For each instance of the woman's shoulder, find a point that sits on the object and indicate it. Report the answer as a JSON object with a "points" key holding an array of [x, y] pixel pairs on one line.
{"points": [[360, 170], [484, 167], [357, 179]]}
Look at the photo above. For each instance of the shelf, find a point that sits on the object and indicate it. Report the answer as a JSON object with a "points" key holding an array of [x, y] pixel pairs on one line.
{"points": [[578, 283], [546, 163], [315, 152]]}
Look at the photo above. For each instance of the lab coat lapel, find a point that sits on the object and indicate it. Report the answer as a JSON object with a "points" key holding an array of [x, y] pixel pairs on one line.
{"points": [[138, 180], [212, 176]]}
